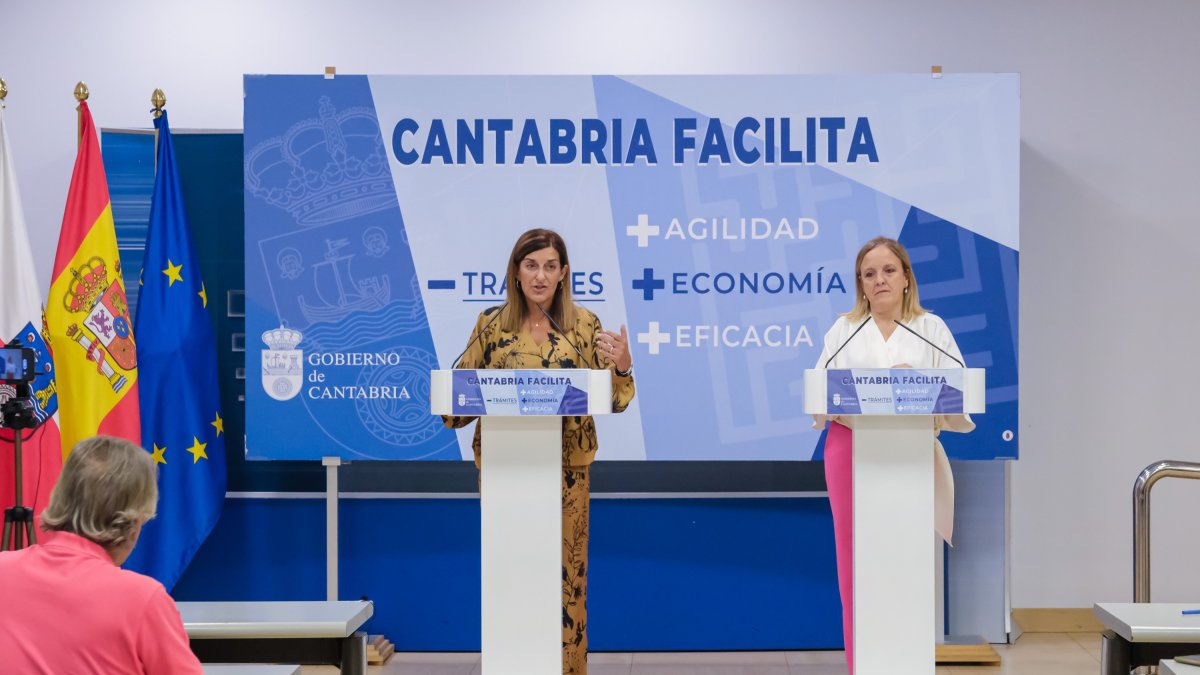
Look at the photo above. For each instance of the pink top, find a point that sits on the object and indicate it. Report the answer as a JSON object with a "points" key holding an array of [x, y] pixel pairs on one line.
{"points": [[68, 609]]}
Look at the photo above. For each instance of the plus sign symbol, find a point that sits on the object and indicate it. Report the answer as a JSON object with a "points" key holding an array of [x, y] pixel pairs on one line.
{"points": [[648, 284], [654, 338], [643, 230]]}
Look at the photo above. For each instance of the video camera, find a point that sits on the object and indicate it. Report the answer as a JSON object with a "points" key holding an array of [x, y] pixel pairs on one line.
{"points": [[17, 370], [17, 364]]}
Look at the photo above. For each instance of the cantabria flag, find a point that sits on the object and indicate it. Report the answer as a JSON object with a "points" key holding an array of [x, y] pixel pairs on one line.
{"points": [[90, 329], [21, 320]]}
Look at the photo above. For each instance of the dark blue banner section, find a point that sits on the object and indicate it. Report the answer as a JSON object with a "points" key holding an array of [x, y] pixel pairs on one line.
{"points": [[335, 321]]}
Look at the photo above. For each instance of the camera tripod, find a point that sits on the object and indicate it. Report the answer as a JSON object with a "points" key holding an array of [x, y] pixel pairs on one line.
{"points": [[18, 519]]}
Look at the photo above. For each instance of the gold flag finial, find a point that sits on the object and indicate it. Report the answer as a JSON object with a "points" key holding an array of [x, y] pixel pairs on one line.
{"points": [[158, 99], [3, 89], [81, 95]]}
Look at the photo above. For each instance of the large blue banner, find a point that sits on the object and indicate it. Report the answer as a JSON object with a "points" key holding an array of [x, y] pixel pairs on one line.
{"points": [[717, 217]]}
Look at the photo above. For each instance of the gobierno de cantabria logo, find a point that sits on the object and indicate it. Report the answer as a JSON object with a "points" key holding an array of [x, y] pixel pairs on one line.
{"points": [[282, 363]]}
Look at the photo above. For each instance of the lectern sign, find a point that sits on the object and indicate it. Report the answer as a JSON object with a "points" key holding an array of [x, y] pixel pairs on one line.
{"points": [[554, 391], [895, 391]]}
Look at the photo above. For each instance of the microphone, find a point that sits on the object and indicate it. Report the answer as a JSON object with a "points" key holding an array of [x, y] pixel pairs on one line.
{"points": [[478, 333], [839, 349], [929, 343], [583, 359]]}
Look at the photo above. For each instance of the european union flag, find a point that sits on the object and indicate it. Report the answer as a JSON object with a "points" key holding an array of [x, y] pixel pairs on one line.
{"points": [[177, 376]]}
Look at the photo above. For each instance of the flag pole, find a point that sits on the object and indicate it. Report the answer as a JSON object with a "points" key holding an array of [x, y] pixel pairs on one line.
{"points": [[81, 95], [157, 99]]}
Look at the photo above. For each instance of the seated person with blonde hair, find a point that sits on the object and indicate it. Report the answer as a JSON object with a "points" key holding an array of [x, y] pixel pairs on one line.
{"points": [[68, 606]]}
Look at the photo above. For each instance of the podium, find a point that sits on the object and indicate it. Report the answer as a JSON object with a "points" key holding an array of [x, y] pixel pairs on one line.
{"points": [[891, 413], [520, 413]]}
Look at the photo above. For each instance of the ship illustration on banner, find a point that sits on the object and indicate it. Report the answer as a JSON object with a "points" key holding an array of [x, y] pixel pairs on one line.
{"points": [[340, 293]]}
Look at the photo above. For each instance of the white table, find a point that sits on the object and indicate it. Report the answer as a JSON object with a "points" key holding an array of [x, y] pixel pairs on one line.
{"points": [[285, 632], [1169, 667], [249, 669], [1143, 634]]}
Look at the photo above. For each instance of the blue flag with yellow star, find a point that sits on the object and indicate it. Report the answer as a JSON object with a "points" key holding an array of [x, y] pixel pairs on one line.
{"points": [[177, 373]]}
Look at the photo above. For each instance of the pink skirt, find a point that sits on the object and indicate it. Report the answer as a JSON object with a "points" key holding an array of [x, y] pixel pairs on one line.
{"points": [[839, 477]]}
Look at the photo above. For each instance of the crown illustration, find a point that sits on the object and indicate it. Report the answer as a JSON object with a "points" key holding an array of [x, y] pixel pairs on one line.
{"points": [[326, 169], [282, 338], [89, 281]]}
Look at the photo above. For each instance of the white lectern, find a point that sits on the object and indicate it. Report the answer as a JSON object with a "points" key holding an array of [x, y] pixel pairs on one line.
{"points": [[891, 412], [521, 502]]}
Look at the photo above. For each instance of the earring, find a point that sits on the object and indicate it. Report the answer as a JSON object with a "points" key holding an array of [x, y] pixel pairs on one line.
{"points": [[560, 284]]}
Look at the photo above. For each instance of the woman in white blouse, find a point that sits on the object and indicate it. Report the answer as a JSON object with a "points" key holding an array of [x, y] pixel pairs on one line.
{"points": [[871, 336]]}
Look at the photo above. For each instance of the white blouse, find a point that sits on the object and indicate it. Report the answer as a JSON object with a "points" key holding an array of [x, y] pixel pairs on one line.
{"points": [[868, 349]]}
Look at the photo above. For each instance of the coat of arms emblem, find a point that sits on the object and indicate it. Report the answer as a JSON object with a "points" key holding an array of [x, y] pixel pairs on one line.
{"points": [[282, 363], [107, 332]]}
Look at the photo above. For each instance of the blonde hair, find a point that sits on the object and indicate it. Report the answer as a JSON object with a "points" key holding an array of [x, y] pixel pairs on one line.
{"points": [[107, 486], [562, 308], [910, 306]]}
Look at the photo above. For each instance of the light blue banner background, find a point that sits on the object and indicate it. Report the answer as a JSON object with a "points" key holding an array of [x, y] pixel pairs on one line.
{"points": [[391, 262]]}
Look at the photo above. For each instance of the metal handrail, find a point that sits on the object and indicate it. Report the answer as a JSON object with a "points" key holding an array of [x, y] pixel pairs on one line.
{"points": [[1141, 518]]}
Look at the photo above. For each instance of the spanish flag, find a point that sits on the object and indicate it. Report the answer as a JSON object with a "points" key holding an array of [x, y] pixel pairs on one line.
{"points": [[91, 333]]}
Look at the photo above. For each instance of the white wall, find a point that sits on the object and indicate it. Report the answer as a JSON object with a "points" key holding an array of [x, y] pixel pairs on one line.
{"points": [[1110, 238]]}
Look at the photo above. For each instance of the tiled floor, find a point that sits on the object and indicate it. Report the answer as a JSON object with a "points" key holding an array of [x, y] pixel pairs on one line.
{"points": [[1034, 654]]}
